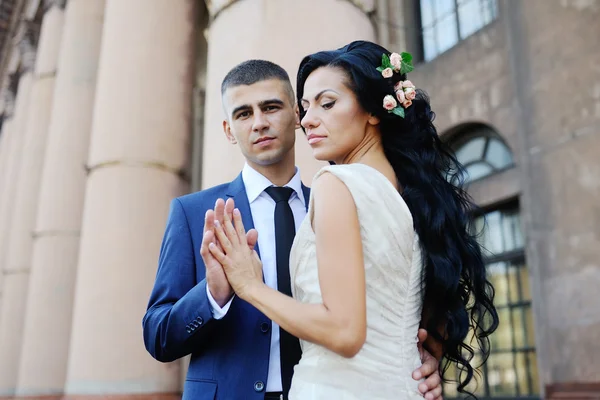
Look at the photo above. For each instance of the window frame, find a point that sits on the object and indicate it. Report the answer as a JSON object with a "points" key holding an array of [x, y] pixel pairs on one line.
{"points": [[435, 22], [516, 256], [466, 134]]}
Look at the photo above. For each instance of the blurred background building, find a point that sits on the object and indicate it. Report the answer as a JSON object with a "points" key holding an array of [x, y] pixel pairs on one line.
{"points": [[110, 108]]}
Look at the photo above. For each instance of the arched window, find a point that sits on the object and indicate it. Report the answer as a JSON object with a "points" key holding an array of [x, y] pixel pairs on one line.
{"points": [[481, 151]]}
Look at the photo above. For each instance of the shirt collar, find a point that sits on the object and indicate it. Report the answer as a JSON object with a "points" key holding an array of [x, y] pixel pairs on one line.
{"points": [[256, 183]]}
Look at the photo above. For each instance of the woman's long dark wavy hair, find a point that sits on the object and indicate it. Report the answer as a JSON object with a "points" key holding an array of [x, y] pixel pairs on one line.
{"points": [[458, 297]]}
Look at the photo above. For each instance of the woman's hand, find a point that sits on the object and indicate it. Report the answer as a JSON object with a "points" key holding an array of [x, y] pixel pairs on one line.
{"points": [[241, 264]]}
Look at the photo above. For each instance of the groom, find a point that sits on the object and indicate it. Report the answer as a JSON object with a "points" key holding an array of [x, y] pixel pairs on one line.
{"points": [[237, 353]]}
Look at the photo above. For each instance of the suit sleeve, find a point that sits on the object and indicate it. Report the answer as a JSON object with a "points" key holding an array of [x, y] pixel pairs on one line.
{"points": [[178, 318]]}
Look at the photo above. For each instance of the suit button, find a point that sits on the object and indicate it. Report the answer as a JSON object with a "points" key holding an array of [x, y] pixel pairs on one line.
{"points": [[188, 330], [264, 327], [259, 386], [199, 320]]}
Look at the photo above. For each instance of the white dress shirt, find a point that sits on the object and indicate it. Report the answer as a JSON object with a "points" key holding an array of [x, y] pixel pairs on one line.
{"points": [[262, 207]]}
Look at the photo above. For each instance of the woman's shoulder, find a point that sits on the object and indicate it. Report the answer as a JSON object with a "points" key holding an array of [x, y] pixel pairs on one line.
{"points": [[343, 171]]}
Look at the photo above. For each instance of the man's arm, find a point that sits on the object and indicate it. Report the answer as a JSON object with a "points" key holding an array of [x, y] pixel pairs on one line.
{"points": [[178, 318]]}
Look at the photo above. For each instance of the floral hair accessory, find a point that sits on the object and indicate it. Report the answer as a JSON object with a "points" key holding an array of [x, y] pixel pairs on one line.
{"points": [[405, 91], [395, 62]]}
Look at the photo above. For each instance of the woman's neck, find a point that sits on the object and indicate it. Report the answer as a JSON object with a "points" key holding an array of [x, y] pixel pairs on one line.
{"points": [[371, 153]]}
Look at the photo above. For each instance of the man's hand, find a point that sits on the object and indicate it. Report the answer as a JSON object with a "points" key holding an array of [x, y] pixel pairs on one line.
{"points": [[431, 388], [219, 286]]}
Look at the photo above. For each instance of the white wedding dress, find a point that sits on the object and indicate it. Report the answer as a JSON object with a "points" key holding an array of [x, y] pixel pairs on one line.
{"points": [[383, 367]]}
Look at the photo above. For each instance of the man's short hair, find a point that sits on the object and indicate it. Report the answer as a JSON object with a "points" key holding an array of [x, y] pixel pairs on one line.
{"points": [[253, 71]]}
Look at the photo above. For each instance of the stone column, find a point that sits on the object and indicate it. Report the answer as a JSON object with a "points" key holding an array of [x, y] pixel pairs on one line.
{"points": [[6, 136], [139, 145], [272, 35], [395, 24], [43, 368], [6, 143], [14, 283]]}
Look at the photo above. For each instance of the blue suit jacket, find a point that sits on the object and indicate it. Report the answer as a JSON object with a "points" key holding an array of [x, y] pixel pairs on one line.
{"points": [[230, 357]]}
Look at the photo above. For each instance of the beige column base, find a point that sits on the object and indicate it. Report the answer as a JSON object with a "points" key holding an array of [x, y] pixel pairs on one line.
{"points": [[157, 396]]}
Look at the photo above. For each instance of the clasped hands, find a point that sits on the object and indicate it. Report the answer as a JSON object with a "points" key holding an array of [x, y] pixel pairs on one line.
{"points": [[232, 264]]}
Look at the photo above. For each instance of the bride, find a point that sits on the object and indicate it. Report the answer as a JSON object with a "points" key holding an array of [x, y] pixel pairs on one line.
{"points": [[385, 236]]}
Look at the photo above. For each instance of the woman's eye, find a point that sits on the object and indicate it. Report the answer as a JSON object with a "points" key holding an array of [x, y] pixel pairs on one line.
{"points": [[327, 106]]}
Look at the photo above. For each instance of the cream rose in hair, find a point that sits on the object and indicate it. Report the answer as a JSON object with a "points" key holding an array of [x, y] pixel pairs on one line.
{"points": [[387, 73], [389, 103], [410, 93], [396, 61], [400, 96]]}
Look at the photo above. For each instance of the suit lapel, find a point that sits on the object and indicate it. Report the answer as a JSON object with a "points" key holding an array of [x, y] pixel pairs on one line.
{"points": [[237, 191]]}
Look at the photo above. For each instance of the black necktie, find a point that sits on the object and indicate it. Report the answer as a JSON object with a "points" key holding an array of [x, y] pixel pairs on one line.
{"points": [[285, 230]]}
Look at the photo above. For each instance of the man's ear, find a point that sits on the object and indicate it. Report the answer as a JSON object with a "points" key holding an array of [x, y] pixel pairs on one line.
{"points": [[228, 134], [297, 111]]}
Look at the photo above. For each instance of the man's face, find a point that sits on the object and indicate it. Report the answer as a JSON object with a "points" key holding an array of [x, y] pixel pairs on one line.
{"points": [[262, 118]]}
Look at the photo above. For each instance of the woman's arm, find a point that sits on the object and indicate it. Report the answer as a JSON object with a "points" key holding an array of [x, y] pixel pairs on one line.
{"points": [[339, 323]]}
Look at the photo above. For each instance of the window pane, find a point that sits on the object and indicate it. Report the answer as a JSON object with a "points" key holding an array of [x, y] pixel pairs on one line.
{"points": [[533, 370], [513, 284], [471, 151], [511, 231], [469, 17], [530, 328], [446, 34], [477, 385], [443, 8], [522, 376], [525, 289], [427, 13], [493, 233], [518, 328], [502, 338], [479, 170], [497, 277], [489, 10], [501, 375], [429, 44], [450, 387], [498, 154]]}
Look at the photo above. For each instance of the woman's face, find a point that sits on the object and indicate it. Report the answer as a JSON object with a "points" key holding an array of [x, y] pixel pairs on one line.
{"points": [[335, 123]]}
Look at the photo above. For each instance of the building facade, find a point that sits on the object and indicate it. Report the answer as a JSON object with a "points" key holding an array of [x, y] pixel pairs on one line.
{"points": [[110, 108]]}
